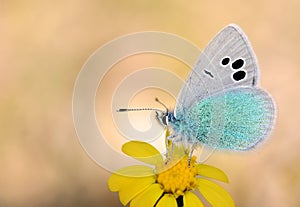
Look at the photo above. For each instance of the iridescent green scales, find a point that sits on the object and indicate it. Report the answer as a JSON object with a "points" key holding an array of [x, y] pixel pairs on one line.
{"points": [[236, 119]]}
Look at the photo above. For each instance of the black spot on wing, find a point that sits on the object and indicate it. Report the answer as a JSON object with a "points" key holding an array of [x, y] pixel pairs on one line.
{"points": [[225, 61], [208, 73], [238, 64], [239, 75]]}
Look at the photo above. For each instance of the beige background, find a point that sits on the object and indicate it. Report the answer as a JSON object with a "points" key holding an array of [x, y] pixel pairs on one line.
{"points": [[43, 45]]}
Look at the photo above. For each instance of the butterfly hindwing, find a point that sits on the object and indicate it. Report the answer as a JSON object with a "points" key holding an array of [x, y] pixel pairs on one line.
{"points": [[248, 113]]}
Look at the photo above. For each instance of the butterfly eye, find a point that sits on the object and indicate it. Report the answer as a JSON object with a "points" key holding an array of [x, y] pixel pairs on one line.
{"points": [[237, 64], [239, 75], [225, 61], [165, 120]]}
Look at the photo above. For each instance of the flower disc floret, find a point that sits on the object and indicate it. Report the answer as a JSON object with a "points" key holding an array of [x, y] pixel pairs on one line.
{"points": [[180, 177]]}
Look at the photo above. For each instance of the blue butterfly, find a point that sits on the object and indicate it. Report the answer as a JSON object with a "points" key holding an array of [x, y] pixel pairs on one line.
{"points": [[220, 105]]}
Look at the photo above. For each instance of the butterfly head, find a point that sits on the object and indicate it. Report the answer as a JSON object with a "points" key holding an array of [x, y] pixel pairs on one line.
{"points": [[162, 117]]}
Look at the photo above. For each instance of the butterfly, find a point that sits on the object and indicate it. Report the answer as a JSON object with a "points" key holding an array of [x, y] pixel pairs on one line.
{"points": [[220, 106]]}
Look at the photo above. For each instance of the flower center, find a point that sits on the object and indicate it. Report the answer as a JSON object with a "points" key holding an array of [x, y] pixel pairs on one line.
{"points": [[180, 177]]}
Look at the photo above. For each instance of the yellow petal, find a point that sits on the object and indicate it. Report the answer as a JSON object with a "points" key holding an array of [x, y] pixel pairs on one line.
{"points": [[142, 151], [168, 200], [147, 198], [214, 194], [123, 177], [115, 182], [133, 188], [191, 200], [135, 171], [212, 172]]}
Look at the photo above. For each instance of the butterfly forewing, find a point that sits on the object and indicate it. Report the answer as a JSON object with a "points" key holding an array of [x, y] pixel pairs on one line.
{"points": [[227, 62]]}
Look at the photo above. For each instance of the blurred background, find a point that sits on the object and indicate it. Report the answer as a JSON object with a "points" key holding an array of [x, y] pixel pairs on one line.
{"points": [[43, 45]]}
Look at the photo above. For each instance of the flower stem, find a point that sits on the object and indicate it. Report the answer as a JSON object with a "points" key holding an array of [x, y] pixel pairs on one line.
{"points": [[180, 201]]}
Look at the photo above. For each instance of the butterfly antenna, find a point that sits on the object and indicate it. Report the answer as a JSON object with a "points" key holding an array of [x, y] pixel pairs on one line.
{"points": [[141, 109], [157, 100]]}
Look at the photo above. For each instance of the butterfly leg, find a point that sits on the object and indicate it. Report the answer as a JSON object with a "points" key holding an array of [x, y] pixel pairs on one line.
{"points": [[194, 146], [170, 138]]}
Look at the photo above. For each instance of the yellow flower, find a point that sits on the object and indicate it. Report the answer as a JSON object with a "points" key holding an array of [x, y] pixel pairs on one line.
{"points": [[170, 184]]}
